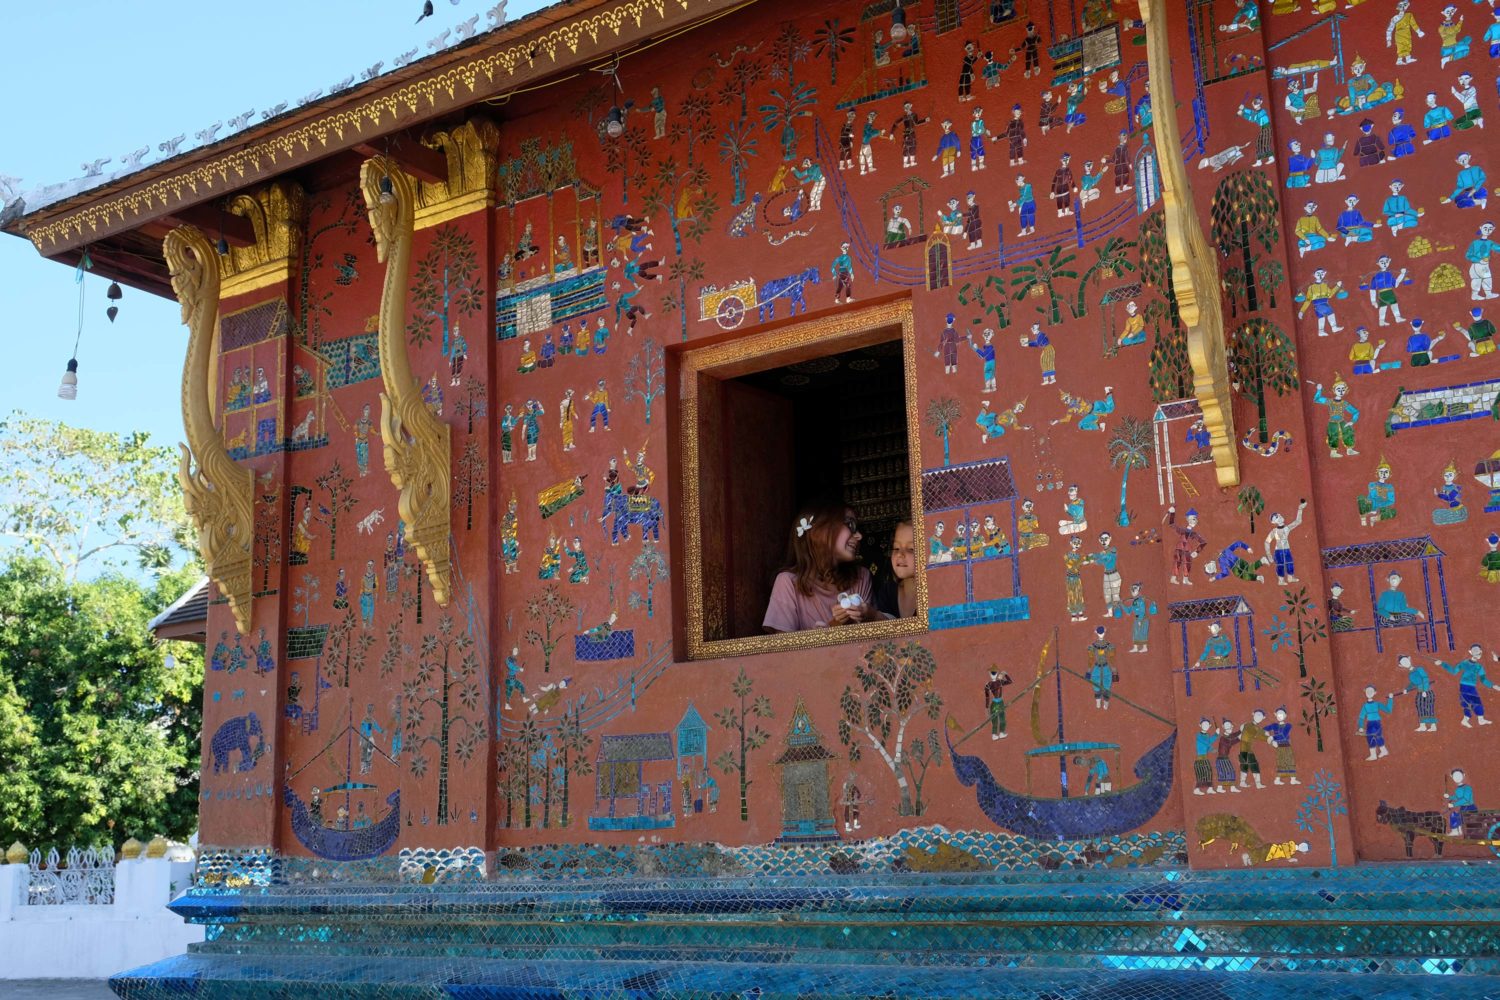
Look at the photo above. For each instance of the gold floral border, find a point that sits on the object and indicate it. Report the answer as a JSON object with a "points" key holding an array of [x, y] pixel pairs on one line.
{"points": [[768, 347], [220, 175]]}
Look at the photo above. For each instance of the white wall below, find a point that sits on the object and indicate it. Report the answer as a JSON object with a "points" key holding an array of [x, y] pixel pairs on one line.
{"points": [[95, 942]]}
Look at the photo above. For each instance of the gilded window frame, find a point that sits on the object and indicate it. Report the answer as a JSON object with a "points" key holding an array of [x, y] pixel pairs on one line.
{"points": [[798, 340]]}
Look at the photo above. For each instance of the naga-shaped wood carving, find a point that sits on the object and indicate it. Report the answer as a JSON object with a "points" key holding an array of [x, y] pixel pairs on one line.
{"points": [[1195, 270], [218, 494], [417, 456]]}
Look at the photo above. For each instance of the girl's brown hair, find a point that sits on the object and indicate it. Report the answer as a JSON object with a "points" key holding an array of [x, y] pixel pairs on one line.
{"points": [[809, 556]]}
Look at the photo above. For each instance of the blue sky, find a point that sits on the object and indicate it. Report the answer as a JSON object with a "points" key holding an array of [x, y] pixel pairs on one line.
{"points": [[91, 79]]}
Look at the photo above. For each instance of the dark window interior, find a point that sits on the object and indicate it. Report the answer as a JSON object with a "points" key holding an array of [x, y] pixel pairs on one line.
{"points": [[828, 427]]}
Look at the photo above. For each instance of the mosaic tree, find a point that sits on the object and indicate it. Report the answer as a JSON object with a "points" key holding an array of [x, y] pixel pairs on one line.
{"points": [[736, 718], [1040, 277], [999, 307], [312, 308], [524, 751], [1323, 805], [646, 375], [1244, 215], [341, 500], [550, 610], [1110, 261], [894, 686], [1129, 448], [572, 746], [790, 100], [472, 401], [1271, 276], [922, 753], [736, 146], [942, 413], [1261, 360], [445, 287], [446, 683], [348, 646], [830, 41], [1250, 502], [1171, 369], [744, 73], [649, 567], [1319, 706], [1304, 629], [679, 191], [472, 480]]}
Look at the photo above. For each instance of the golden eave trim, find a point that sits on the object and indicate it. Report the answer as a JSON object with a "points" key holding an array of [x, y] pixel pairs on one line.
{"points": [[438, 93], [730, 358], [1195, 270]]}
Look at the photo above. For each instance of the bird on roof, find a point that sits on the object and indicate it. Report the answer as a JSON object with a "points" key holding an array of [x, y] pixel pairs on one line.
{"points": [[343, 84], [270, 113], [426, 11], [372, 71], [310, 96]]}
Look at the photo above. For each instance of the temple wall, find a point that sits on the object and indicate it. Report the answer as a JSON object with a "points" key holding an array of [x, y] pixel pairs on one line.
{"points": [[412, 698]]}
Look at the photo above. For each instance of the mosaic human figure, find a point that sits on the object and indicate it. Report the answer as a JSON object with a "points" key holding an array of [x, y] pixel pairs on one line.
{"points": [[1251, 733], [1369, 725], [1015, 136], [1369, 151], [1107, 559], [842, 273], [1419, 681], [993, 424], [1402, 138], [1437, 121], [1226, 758], [1279, 544], [1330, 160], [994, 698], [600, 410], [1188, 546], [579, 571], [513, 672], [973, 222], [1400, 31], [1455, 44], [1478, 254], [1352, 224], [1398, 210], [1489, 563], [367, 587], [1028, 528], [1102, 673], [868, 133], [1480, 333], [1471, 677], [1257, 115], [1365, 355], [1279, 736], [1138, 610], [1039, 341], [1450, 509], [1309, 232], [1469, 189], [508, 424], [1319, 296], [849, 798], [1392, 608], [1073, 580], [1379, 501], [362, 428], [1063, 186], [1075, 518], [1419, 345], [1342, 416], [1218, 648], [510, 543], [1467, 95], [1460, 801], [948, 345], [908, 123]]}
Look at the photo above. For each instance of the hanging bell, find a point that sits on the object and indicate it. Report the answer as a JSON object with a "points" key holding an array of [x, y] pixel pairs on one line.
{"points": [[112, 312], [114, 294]]}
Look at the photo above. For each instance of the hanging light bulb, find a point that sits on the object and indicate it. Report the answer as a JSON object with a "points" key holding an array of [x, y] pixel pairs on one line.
{"points": [[898, 23], [614, 124], [387, 190], [69, 387], [222, 247]]}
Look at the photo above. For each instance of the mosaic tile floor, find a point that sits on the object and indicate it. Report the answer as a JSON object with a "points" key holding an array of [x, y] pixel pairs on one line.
{"points": [[1368, 932]]}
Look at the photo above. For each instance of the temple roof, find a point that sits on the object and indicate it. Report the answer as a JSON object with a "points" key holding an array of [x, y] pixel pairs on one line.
{"points": [[122, 219]]}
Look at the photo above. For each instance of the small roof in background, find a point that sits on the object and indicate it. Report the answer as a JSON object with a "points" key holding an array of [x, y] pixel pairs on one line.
{"points": [[187, 618]]}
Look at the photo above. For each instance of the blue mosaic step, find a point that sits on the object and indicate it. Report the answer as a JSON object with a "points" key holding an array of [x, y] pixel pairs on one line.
{"points": [[234, 978]]}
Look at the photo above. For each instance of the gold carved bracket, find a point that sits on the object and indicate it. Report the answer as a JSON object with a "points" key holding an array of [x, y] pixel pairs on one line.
{"points": [[1195, 269], [277, 213], [473, 154], [218, 494], [417, 450]]}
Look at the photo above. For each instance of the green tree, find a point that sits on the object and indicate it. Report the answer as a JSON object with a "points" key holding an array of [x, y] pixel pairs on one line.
{"points": [[736, 718], [445, 287], [942, 414], [82, 497], [98, 721], [736, 146], [1110, 261], [1271, 276], [1245, 214], [894, 684], [1261, 360], [1171, 369], [1044, 273], [1129, 448], [830, 39], [573, 742], [1251, 503]]}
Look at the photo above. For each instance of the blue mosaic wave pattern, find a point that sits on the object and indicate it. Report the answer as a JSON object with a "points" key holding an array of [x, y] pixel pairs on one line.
{"points": [[1365, 932]]}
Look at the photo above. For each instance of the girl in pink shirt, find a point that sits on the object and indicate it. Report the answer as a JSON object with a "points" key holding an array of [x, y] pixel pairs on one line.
{"points": [[824, 584]]}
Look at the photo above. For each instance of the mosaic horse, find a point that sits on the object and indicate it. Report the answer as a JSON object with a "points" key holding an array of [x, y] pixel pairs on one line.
{"points": [[790, 288], [234, 734], [628, 510]]}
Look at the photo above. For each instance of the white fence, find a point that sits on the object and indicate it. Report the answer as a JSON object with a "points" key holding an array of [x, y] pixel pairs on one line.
{"points": [[87, 916]]}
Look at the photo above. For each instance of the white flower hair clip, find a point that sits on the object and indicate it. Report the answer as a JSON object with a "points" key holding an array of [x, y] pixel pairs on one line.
{"points": [[804, 526]]}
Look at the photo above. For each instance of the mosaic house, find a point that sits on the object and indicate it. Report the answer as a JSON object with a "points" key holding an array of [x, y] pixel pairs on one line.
{"points": [[515, 374]]}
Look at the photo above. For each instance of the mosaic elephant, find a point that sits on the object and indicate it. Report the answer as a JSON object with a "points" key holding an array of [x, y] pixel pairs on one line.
{"points": [[234, 734], [627, 510]]}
